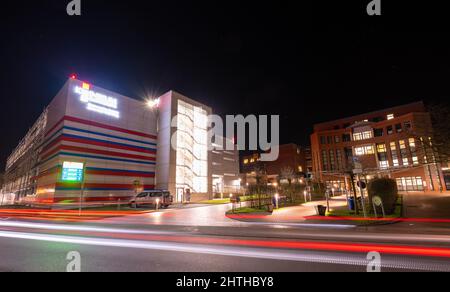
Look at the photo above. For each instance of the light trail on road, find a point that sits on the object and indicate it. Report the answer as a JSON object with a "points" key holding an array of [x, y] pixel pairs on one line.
{"points": [[247, 252], [183, 237]]}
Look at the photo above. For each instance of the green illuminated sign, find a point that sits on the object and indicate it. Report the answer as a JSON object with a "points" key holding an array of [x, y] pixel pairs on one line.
{"points": [[72, 172]]}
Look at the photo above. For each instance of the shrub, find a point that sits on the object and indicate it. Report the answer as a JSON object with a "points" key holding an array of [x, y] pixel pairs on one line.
{"points": [[386, 189]]}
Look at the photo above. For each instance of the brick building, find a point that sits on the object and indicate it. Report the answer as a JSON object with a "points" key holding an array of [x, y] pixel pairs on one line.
{"points": [[394, 142], [290, 156]]}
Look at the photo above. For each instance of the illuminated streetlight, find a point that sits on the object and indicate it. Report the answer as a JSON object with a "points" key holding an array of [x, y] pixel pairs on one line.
{"points": [[153, 103]]}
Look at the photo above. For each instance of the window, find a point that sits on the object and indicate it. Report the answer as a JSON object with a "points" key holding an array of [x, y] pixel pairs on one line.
{"points": [[381, 148], [395, 160], [402, 144], [384, 164], [393, 146], [332, 160], [339, 159], [300, 169], [245, 161], [405, 162], [325, 159], [337, 139], [412, 143], [365, 150], [408, 126], [192, 150], [329, 139], [390, 117], [390, 130], [346, 138], [410, 184], [378, 132], [323, 140], [415, 160], [398, 128], [362, 136]]}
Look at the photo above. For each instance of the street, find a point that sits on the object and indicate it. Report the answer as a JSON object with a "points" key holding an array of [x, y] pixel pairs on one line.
{"points": [[203, 239]]}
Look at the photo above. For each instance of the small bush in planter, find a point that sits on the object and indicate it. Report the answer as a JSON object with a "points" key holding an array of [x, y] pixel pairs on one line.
{"points": [[386, 189]]}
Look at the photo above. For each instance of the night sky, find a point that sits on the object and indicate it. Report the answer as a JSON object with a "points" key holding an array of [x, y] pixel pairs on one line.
{"points": [[307, 61]]}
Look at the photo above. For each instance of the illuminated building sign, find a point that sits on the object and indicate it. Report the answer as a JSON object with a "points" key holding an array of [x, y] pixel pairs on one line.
{"points": [[97, 102], [72, 172]]}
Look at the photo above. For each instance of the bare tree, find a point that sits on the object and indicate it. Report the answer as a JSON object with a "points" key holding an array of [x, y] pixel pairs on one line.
{"points": [[288, 174]]}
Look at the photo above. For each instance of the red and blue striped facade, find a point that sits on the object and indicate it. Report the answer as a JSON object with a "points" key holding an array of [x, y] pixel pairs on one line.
{"points": [[119, 154]]}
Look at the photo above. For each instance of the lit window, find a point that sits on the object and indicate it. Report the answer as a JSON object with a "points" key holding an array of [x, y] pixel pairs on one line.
{"points": [[365, 150], [396, 162], [245, 161], [252, 160], [384, 164], [415, 160], [363, 136], [393, 146], [390, 117], [381, 148], [300, 169], [402, 144], [412, 143], [405, 161]]}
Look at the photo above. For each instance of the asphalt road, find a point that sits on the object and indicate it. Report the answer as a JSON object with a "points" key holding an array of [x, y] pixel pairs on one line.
{"points": [[28, 246], [44, 256], [203, 240]]}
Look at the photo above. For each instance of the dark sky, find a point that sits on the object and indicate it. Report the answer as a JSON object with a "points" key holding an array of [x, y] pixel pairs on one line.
{"points": [[307, 61]]}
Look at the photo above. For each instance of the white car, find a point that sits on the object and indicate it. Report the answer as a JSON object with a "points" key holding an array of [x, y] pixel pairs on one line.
{"points": [[156, 198]]}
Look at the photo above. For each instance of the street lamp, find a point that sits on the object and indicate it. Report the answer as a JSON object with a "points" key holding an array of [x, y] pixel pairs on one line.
{"points": [[153, 103]]}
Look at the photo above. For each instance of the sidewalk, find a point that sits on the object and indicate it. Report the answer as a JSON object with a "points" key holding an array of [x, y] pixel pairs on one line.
{"points": [[294, 214]]}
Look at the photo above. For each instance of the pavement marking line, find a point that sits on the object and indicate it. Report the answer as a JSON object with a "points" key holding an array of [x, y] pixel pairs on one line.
{"points": [[306, 256], [80, 228]]}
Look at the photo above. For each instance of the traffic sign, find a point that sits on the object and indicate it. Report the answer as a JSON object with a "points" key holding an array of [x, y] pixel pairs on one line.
{"points": [[377, 201], [362, 185], [357, 171], [72, 171]]}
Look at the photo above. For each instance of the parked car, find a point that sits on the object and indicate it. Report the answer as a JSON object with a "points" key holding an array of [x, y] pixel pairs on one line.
{"points": [[160, 198]]}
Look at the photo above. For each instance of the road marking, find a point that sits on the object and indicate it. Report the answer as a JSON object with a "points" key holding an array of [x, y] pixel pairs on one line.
{"points": [[80, 228]]}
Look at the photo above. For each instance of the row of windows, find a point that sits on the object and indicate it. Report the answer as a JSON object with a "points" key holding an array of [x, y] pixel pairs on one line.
{"points": [[379, 132], [410, 184], [332, 159]]}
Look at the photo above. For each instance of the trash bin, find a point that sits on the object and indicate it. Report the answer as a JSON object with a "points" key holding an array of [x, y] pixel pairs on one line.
{"points": [[321, 210], [351, 203]]}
